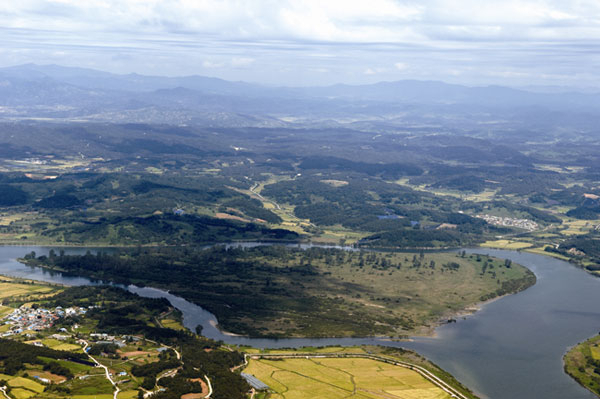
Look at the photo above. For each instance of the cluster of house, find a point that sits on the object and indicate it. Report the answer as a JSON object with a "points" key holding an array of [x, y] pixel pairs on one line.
{"points": [[27, 318], [103, 338], [524, 224]]}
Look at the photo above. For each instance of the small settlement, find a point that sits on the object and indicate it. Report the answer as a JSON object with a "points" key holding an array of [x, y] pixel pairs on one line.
{"points": [[27, 318], [524, 224]]}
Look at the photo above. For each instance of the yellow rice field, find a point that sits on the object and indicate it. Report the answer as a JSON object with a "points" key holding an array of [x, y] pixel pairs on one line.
{"points": [[333, 378], [507, 244]]}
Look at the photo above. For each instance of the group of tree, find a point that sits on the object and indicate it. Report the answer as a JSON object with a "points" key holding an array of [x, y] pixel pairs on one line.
{"points": [[14, 356]]}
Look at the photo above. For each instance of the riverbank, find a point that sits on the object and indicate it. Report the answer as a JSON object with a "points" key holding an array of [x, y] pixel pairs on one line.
{"points": [[278, 292], [576, 258], [582, 362], [503, 351]]}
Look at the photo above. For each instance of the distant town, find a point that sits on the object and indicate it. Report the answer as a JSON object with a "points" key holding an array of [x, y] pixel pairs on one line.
{"points": [[524, 224]]}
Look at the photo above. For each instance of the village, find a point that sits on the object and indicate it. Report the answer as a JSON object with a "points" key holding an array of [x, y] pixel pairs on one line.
{"points": [[524, 224], [32, 318]]}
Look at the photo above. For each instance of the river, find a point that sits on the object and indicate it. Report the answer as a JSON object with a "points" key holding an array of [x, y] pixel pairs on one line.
{"points": [[511, 349]]}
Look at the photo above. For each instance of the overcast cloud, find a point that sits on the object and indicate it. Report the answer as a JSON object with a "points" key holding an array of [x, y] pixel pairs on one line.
{"points": [[306, 42]]}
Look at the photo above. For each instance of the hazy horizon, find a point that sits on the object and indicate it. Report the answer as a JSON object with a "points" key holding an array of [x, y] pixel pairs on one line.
{"points": [[309, 43], [533, 88]]}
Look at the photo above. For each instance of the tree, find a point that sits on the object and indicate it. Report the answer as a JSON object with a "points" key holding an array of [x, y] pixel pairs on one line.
{"points": [[149, 382]]}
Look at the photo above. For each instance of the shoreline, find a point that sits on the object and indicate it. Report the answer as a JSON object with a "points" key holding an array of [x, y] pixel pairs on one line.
{"points": [[569, 370], [426, 330]]}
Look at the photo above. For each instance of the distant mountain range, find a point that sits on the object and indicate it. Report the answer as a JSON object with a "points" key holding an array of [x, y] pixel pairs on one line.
{"points": [[63, 93]]}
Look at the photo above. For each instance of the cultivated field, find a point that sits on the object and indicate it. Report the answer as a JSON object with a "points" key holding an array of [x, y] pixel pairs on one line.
{"points": [[331, 378], [507, 244], [22, 388], [13, 289]]}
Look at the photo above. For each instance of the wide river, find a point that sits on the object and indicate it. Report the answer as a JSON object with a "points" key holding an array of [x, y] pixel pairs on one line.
{"points": [[511, 349]]}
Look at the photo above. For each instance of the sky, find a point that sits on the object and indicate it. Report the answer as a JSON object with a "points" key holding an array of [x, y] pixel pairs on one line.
{"points": [[314, 42]]}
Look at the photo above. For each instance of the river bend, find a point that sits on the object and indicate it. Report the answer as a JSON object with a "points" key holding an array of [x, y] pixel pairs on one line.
{"points": [[511, 349]]}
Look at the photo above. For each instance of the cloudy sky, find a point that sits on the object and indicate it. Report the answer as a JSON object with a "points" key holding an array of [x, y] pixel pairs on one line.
{"points": [[314, 42]]}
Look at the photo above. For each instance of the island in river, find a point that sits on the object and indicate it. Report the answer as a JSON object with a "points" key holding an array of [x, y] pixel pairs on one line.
{"points": [[582, 362], [143, 344], [277, 291]]}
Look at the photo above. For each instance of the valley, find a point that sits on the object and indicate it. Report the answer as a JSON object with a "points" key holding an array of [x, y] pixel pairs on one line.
{"points": [[389, 228]]}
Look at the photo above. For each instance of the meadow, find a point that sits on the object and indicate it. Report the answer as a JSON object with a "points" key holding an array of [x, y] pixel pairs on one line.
{"points": [[15, 290], [279, 291], [332, 378], [582, 362]]}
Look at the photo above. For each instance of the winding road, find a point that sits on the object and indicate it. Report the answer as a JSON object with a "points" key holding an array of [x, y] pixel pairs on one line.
{"points": [[98, 364]]}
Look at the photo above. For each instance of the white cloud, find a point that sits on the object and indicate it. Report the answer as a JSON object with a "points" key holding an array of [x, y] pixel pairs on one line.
{"points": [[374, 71], [212, 64], [242, 61], [284, 39]]}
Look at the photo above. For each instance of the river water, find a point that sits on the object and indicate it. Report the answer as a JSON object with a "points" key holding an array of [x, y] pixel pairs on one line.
{"points": [[511, 349]]}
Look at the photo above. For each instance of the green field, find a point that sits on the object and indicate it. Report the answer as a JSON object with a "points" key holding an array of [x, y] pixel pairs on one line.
{"points": [[582, 363], [12, 289], [22, 388], [20, 393], [170, 323], [326, 378], [127, 395], [507, 244], [279, 291]]}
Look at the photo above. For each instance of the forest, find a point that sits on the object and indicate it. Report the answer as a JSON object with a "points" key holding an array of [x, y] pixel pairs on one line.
{"points": [[275, 291]]}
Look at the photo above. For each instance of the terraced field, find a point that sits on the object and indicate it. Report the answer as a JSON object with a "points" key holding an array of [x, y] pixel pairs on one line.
{"points": [[333, 378], [22, 388]]}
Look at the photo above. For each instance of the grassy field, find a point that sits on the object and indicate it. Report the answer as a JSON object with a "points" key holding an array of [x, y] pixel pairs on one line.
{"points": [[327, 292], [68, 347], [417, 290], [582, 363], [507, 244], [170, 323], [577, 227], [341, 378], [20, 393], [486, 195], [12, 290], [23, 388], [127, 395], [540, 251], [18, 291], [93, 385], [366, 294], [20, 382]]}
